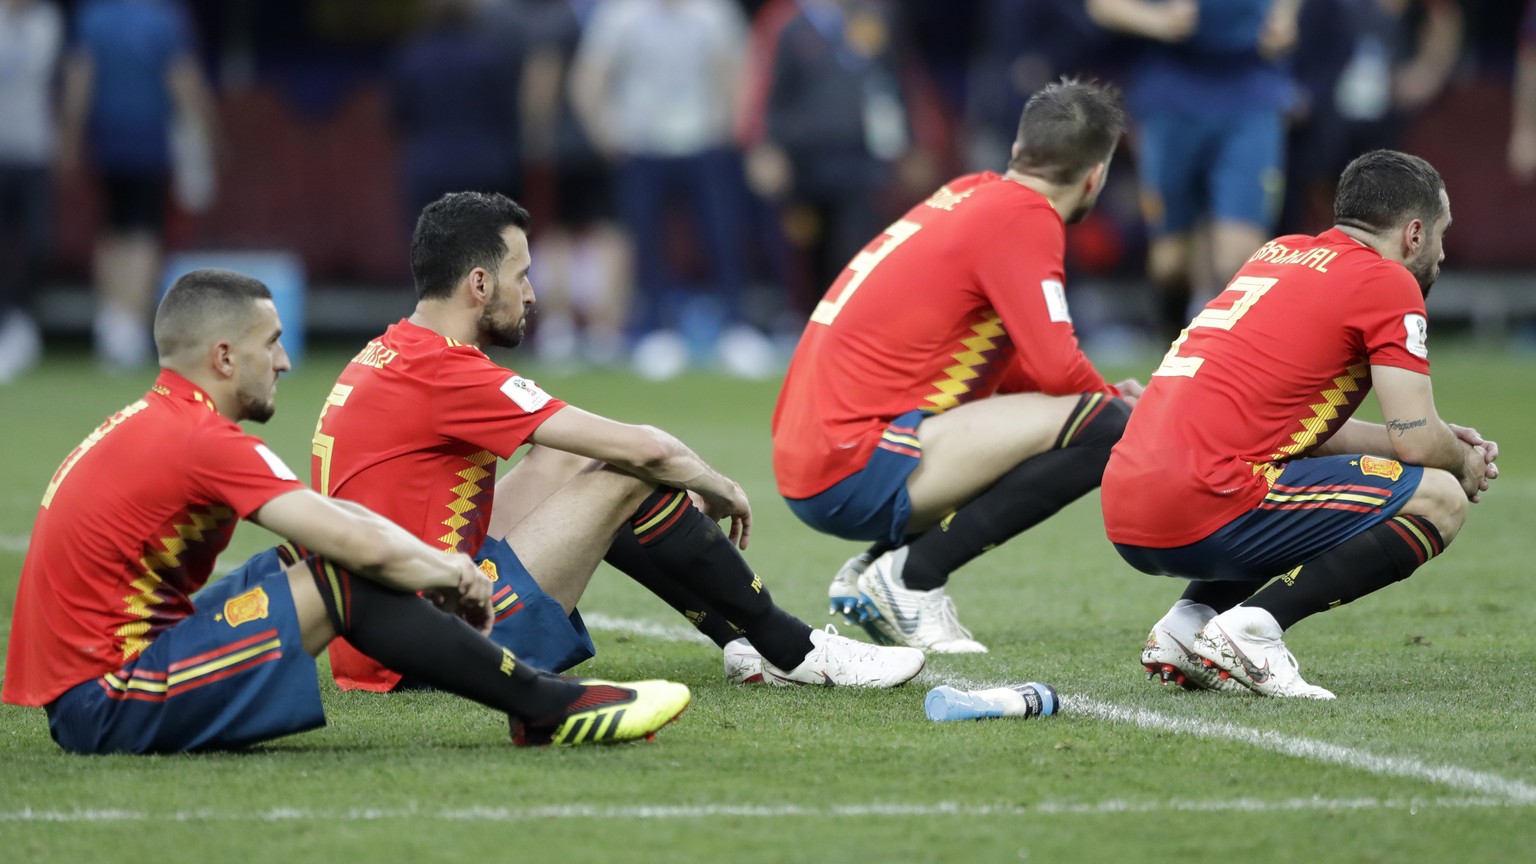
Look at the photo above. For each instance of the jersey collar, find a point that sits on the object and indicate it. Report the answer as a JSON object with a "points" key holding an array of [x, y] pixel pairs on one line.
{"points": [[173, 385]]}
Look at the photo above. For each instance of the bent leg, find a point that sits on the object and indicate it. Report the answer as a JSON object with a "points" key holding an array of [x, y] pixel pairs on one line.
{"points": [[564, 536], [966, 449], [1028, 493]]}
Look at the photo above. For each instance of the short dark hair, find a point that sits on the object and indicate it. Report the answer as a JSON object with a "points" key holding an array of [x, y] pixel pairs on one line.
{"points": [[457, 233], [1068, 127], [201, 304], [1382, 189]]}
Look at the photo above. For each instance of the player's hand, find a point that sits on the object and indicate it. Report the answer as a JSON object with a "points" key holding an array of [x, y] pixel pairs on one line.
{"points": [[1130, 390], [470, 598], [1475, 476], [729, 503], [1474, 438]]}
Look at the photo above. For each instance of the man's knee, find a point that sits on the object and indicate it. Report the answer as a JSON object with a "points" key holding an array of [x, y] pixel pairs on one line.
{"points": [[1441, 500], [1098, 421]]}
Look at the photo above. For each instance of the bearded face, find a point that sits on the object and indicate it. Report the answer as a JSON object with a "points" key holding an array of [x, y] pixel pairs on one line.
{"points": [[504, 321]]}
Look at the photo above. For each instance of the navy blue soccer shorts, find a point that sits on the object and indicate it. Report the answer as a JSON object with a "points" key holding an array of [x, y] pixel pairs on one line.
{"points": [[1229, 168], [872, 503], [1313, 506], [532, 624], [233, 673]]}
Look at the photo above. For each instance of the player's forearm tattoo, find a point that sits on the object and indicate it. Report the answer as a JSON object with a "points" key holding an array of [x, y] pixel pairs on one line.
{"points": [[1401, 427]]}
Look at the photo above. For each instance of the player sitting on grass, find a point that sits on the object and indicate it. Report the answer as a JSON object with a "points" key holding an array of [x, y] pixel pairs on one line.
{"points": [[415, 425], [938, 403], [1242, 462], [108, 637]]}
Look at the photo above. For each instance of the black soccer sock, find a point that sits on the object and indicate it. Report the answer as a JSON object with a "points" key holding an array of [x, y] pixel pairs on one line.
{"points": [[1029, 494], [629, 557], [676, 541], [1367, 562], [411, 636], [1220, 596]]}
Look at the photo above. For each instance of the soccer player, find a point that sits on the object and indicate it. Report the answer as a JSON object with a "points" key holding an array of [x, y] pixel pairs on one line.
{"points": [[1242, 461], [938, 403], [1209, 97], [417, 420], [108, 637]]}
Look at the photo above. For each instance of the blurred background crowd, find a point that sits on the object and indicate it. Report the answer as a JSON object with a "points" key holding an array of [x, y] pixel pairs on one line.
{"points": [[698, 170]]}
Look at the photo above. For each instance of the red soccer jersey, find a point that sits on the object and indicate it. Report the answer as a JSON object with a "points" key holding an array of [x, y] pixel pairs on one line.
{"points": [[1268, 371], [962, 295], [412, 431], [128, 529]]}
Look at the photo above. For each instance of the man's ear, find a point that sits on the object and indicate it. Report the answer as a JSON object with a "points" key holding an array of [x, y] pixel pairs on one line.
{"points": [[479, 282], [1414, 238], [1095, 179], [221, 357]]}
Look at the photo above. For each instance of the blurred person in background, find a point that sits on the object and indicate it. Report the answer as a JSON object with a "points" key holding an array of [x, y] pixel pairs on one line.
{"points": [[454, 90], [131, 74], [1522, 138], [31, 33], [1023, 47], [1359, 86], [582, 261], [837, 126], [1209, 94], [655, 85]]}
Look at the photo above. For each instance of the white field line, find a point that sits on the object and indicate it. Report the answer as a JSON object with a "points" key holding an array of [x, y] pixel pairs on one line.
{"points": [[1461, 779], [634, 627], [753, 811], [14, 542]]}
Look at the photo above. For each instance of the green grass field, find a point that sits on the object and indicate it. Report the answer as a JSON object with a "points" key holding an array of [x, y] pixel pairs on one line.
{"points": [[1428, 753]]}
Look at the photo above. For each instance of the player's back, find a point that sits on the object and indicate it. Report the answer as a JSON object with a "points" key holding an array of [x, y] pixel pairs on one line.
{"points": [[907, 325], [1267, 371], [376, 441], [128, 528], [413, 428]]}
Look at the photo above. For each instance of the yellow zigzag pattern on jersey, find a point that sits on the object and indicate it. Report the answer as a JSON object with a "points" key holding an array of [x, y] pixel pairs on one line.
{"points": [[960, 375], [1325, 411], [142, 605], [471, 476]]}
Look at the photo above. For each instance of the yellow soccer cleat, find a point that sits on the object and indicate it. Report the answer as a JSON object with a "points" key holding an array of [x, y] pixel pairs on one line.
{"points": [[608, 713]]}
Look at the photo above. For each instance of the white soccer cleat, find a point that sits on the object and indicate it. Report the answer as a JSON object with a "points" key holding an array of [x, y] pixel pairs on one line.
{"points": [[837, 661], [1168, 656], [1244, 643], [844, 598], [744, 665], [921, 619]]}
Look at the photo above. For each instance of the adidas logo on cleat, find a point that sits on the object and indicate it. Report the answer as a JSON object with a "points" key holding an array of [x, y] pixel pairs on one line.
{"points": [[600, 726]]}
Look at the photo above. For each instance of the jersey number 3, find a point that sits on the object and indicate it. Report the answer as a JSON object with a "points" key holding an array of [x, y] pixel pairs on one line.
{"points": [[1174, 364], [861, 266]]}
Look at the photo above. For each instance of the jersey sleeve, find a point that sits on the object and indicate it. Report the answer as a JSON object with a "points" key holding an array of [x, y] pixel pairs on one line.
{"points": [[238, 470], [1023, 279], [486, 405], [1392, 323]]}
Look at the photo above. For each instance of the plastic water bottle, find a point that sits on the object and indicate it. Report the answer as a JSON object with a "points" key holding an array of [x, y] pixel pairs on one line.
{"points": [[1019, 700]]}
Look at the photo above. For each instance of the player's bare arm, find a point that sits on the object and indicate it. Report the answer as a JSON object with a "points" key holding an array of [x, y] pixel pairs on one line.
{"points": [[1416, 434], [372, 546], [652, 455]]}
